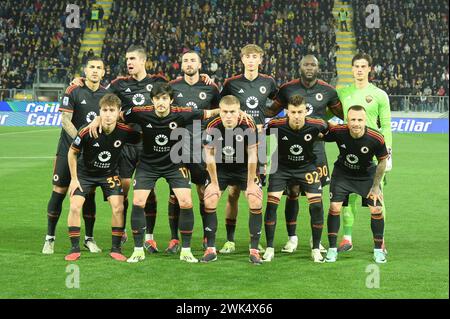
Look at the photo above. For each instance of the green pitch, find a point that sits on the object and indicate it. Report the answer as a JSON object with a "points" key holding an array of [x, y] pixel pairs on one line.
{"points": [[416, 238]]}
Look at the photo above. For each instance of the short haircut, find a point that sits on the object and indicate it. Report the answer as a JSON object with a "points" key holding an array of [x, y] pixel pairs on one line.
{"points": [[362, 56], [251, 48], [161, 89], [229, 100], [192, 52], [110, 99], [296, 100], [356, 108], [93, 58], [139, 49]]}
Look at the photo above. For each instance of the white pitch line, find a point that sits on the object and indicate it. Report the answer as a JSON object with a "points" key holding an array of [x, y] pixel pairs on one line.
{"points": [[26, 157], [33, 131]]}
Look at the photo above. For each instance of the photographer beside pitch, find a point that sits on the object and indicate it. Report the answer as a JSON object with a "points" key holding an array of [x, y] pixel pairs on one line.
{"points": [[98, 166], [355, 172]]}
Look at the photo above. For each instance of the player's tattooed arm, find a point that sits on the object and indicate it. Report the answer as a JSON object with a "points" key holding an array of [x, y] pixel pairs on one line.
{"points": [[375, 192], [66, 121], [273, 110], [72, 161]]}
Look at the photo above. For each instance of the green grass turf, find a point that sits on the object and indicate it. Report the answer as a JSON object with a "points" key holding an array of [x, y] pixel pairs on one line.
{"points": [[416, 236]]}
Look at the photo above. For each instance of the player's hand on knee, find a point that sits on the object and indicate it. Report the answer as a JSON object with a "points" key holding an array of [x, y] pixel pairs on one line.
{"points": [[375, 194], [74, 184], [389, 161], [78, 81], [254, 190], [211, 190]]}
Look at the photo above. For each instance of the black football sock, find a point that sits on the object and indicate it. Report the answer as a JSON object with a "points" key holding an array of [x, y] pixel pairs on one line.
{"points": [[230, 225], [54, 208], [270, 219], [255, 224], [291, 213], [117, 233], [138, 225], [174, 214], [89, 211], [333, 224], [74, 234], [210, 226], [186, 225], [316, 212], [125, 210], [150, 215], [377, 225]]}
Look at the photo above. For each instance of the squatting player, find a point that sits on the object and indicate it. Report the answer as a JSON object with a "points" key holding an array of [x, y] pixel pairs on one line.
{"points": [[378, 112], [253, 90], [296, 165], [355, 172], [98, 166], [321, 98], [231, 156], [79, 106]]}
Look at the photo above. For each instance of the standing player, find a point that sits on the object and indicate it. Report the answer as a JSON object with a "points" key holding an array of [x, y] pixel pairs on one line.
{"points": [[157, 122], [355, 172], [320, 99], [98, 166], [378, 112], [253, 90], [191, 91], [79, 106], [296, 165], [231, 157]]}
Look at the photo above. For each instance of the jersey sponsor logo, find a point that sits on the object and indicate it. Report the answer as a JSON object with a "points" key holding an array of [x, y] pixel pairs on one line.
{"points": [[228, 151], [239, 138], [138, 99], [308, 137], [319, 96], [161, 139], [117, 143], [104, 156], [309, 109], [285, 138], [369, 98], [296, 149], [56, 177], [202, 96], [241, 91], [173, 125], [96, 145], [352, 158], [77, 141], [364, 150], [262, 89], [90, 116], [180, 94], [128, 90], [192, 104], [83, 102], [66, 101], [251, 102], [149, 87]]}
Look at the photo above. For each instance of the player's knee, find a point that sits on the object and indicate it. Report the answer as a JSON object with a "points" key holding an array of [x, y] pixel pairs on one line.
{"points": [[254, 201], [75, 209], [185, 202], [316, 211], [211, 202], [376, 210], [140, 202], [59, 189], [293, 192], [117, 209], [125, 184], [335, 207]]}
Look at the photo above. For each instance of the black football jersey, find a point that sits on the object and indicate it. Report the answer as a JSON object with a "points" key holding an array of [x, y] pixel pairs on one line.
{"points": [[231, 144], [356, 155], [252, 95], [318, 97], [82, 102], [198, 96], [157, 131], [295, 147], [100, 156]]}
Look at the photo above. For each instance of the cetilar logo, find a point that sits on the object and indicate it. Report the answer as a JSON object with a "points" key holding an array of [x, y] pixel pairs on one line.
{"points": [[412, 125]]}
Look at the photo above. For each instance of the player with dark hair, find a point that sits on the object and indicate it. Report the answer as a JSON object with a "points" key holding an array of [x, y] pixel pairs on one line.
{"points": [[355, 172], [231, 158], [191, 91], [378, 114], [321, 100], [157, 122], [295, 162], [79, 106], [253, 90], [98, 166]]}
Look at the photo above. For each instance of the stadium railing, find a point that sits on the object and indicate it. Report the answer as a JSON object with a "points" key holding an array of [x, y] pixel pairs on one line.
{"points": [[419, 103]]}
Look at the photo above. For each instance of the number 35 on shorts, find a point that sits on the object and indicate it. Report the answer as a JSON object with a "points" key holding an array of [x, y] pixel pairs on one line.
{"points": [[114, 181]]}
